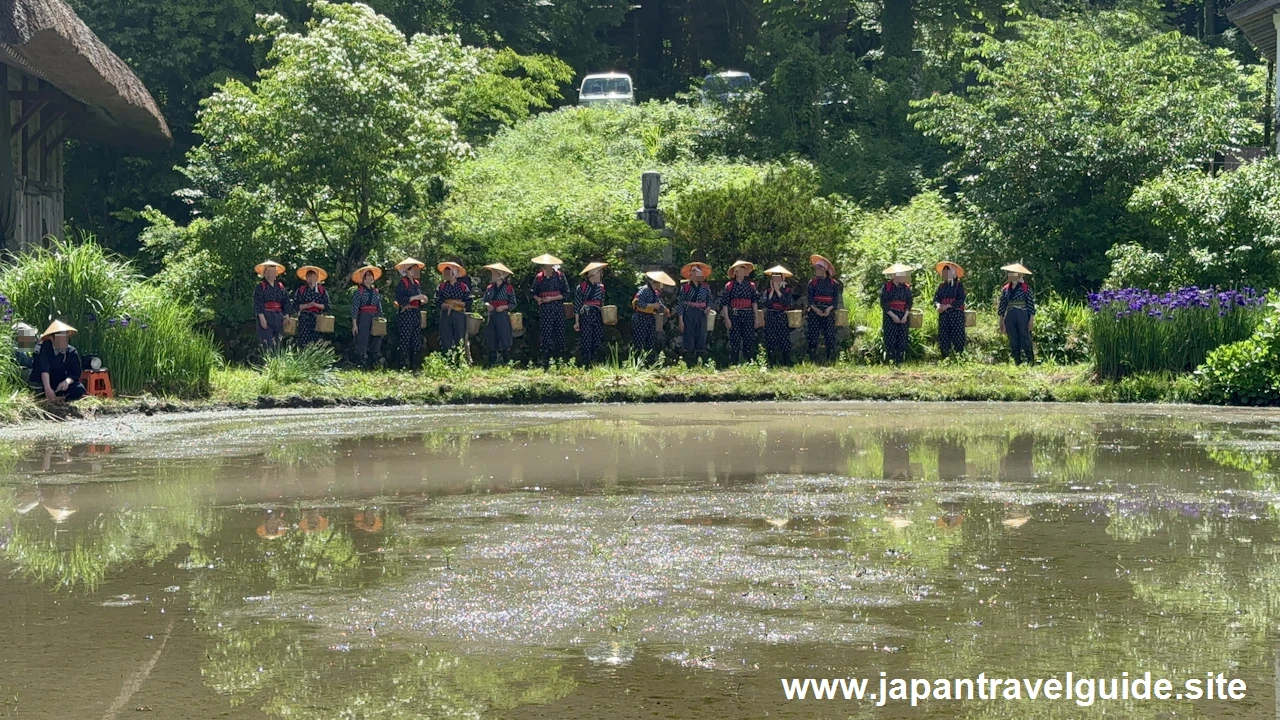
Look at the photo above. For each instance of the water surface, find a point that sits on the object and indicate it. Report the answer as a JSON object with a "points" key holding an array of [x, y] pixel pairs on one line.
{"points": [[632, 561]]}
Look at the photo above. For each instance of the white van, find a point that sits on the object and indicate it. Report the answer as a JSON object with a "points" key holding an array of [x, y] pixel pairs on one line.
{"points": [[602, 88]]}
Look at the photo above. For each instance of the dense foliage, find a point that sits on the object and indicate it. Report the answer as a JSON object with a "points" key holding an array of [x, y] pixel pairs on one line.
{"points": [[1246, 372], [145, 337]]}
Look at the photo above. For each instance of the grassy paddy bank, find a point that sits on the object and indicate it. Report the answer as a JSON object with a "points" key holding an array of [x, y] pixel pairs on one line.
{"points": [[244, 388]]}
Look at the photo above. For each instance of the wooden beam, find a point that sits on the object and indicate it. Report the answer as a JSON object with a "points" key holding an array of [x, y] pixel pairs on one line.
{"points": [[46, 94], [27, 116], [45, 127], [71, 123]]}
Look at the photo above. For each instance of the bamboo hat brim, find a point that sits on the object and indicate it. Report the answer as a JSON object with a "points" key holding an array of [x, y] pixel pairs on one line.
{"points": [[687, 270], [500, 268], [261, 267], [778, 270], [661, 277], [411, 261], [897, 268], [1016, 268], [593, 266], [357, 277], [959, 270], [462, 272], [819, 260], [320, 272], [57, 326]]}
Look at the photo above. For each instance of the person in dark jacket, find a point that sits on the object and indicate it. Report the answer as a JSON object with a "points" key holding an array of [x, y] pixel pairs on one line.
{"points": [[825, 296], [366, 308], [270, 304], [499, 299], [588, 320], [409, 301], [895, 305], [692, 303], [648, 305], [25, 352], [949, 300], [550, 291], [310, 299], [59, 364], [776, 301], [738, 302], [453, 298], [1017, 311]]}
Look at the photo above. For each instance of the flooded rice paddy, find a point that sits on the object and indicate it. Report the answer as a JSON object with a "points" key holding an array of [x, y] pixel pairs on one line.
{"points": [[660, 561]]}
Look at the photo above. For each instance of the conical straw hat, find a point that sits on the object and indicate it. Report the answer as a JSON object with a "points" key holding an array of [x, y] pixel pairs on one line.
{"points": [[661, 277], [959, 270], [593, 266], [357, 277], [260, 267], [411, 261], [1016, 268], [687, 270], [500, 268], [302, 272], [547, 259], [57, 326], [462, 272], [778, 270], [819, 260], [742, 263], [896, 268]]}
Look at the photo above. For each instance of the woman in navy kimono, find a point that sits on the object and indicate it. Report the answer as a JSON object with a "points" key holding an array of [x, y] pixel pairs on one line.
{"points": [[776, 301], [588, 301], [366, 307], [949, 300], [691, 308], [895, 305], [409, 299], [453, 297], [270, 304], [499, 298], [738, 302], [550, 290], [647, 304], [824, 297], [310, 299], [1017, 311]]}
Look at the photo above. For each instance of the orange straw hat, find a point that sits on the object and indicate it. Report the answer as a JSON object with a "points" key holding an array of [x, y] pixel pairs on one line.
{"points": [[357, 277], [939, 267], [302, 272], [819, 260], [261, 267], [687, 270], [462, 272]]}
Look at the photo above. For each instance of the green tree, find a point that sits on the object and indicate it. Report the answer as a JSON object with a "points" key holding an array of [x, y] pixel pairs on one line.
{"points": [[1068, 119]]}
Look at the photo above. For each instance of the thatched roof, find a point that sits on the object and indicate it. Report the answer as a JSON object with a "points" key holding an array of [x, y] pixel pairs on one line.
{"points": [[1253, 17], [46, 39]]}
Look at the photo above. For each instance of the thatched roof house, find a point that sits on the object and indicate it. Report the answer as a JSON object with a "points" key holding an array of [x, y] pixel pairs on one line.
{"points": [[59, 81]]}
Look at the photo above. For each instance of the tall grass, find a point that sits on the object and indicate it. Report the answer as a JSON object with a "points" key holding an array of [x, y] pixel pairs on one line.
{"points": [[1136, 331], [146, 338], [290, 366]]}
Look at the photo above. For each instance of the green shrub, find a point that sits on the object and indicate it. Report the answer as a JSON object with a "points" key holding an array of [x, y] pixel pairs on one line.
{"points": [[921, 233], [146, 337], [1062, 331], [1245, 372]]}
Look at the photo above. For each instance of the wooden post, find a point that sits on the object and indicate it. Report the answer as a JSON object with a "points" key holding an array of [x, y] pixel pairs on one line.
{"points": [[8, 182]]}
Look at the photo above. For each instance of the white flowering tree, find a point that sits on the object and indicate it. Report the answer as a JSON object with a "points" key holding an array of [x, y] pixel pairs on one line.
{"points": [[350, 124]]}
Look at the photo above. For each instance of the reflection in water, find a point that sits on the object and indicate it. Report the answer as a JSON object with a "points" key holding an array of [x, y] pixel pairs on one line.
{"points": [[559, 559]]}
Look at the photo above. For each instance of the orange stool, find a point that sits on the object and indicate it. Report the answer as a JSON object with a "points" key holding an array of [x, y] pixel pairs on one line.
{"points": [[97, 383]]}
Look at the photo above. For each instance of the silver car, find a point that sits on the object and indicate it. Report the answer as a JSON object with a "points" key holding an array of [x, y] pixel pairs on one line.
{"points": [[601, 88]]}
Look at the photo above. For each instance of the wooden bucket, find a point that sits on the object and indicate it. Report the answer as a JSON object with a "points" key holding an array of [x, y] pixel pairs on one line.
{"points": [[609, 313], [379, 327], [970, 318], [915, 318], [842, 318], [517, 321], [759, 319], [795, 318], [474, 321], [568, 311], [422, 320], [290, 325], [324, 323]]}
